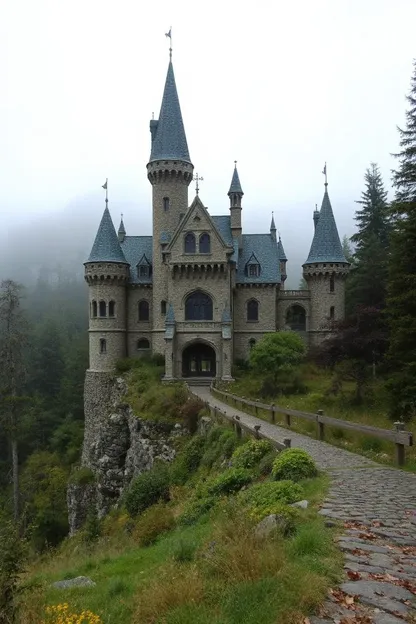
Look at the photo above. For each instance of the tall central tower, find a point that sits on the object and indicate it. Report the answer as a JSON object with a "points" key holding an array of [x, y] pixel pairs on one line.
{"points": [[170, 172]]}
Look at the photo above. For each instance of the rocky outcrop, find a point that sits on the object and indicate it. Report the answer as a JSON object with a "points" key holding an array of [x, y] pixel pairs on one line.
{"points": [[117, 447]]}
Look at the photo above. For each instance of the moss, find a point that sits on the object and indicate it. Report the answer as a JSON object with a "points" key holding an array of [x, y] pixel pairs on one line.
{"points": [[82, 476]]}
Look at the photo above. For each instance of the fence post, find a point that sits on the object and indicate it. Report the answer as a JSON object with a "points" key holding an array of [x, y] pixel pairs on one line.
{"points": [[256, 431], [256, 411], [272, 413], [400, 451], [287, 442], [237, 427], [287, 416], [320, 426]]}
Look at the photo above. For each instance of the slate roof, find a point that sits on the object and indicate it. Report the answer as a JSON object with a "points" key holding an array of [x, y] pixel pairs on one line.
{"points": [[134, 248], [235, 183], [223, 225], [106, 247], [266, 252], [326, 245], [281, 251], [169, 141]]}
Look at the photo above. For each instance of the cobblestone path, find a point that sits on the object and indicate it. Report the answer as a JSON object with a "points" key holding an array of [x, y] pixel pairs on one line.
{"points": [[378, 508]]}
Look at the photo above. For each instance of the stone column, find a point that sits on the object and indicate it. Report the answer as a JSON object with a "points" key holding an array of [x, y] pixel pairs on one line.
{"points": [[169, 366]]}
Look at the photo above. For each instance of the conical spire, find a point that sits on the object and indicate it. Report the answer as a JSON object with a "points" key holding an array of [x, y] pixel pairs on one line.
{"points": [[281, 251], [326, 246], [273, 228], [235, 183], [106, 246], [121, 230], [168, 133]]}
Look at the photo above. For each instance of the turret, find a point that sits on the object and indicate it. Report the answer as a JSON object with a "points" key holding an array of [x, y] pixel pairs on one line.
{"points": [[121, 231], [106, 273], [273, 229], [283, 260], [236, 195], [325, 270]]}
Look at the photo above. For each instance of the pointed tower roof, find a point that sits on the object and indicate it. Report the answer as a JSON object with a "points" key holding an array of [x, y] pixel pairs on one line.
{"points": [[282, 255], [235, 183], [121, 228], [272, 224], [106, 246], [326, 246], [168, 134]]}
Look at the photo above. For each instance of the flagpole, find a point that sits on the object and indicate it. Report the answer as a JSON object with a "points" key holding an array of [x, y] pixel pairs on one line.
{"points": [[106, 192]]}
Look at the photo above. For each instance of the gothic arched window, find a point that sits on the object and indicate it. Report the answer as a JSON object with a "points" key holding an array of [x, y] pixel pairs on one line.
{"points": [[252, 310], [143, 343], [204, 243], [143, 310], [198, 307], [112, 308], [190, 243], [102, 308], [94, 309]]}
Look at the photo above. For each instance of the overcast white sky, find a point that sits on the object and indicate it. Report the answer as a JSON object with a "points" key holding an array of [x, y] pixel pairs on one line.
{"points": [[280, 86]]}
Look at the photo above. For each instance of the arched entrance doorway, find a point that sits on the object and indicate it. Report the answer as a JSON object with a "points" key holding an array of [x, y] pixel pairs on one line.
{"points": [[198, 360], [296, 318]]}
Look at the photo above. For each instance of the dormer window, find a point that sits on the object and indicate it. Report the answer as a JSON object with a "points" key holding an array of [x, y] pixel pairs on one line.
{"points": [[190, 243], [253, 266], [144, 268]]}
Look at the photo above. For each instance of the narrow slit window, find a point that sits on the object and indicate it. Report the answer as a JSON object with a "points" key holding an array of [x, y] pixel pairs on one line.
{"points": [[103, 309], [94, 309], [332, 283], [163, 307], [112, 308], [103, 345], [166, 204], [332, 313]]}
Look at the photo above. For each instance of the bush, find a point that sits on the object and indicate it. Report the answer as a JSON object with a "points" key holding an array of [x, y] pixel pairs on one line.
{"points": [[249, 454], [147, 489], [227, 482], [153, 522], [190, 413], [220, 445], [265, 498], [184, 550], [82, 476], [196, 508], [266, 463], [294, 464], [13, 553], [188, 460]]}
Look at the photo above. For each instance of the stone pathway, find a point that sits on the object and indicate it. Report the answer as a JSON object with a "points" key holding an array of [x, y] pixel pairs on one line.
{"points": [[378, 508]]}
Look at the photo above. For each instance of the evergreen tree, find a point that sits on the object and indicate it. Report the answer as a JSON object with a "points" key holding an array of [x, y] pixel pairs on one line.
{"points": [[368, 277], [401, 303], [347, 249]]}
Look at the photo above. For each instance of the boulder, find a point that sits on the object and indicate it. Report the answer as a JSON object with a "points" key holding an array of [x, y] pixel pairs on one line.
{"points": [[269, 524], [79, 581], [303, 504]]}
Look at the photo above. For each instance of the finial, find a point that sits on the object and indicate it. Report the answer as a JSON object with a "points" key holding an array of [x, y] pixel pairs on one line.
{"points": [[326, 178], [198, 179], [316, 207], [105, 187], [169, 34], [235, 164], [122, 216], [153, 115]]}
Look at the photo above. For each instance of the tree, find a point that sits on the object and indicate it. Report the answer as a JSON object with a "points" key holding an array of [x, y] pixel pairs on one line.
{"points": [[401, 302], [12, 341], [347, 249], [367, 281], [303, 284], [277, 353]]}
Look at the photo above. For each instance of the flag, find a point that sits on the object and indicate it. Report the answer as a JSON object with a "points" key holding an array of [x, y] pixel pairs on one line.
{"points": [[105, 186], [324, 170], [169, 34]]}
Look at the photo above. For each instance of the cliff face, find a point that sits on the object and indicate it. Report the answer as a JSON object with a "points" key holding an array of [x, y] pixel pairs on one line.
{"points": [[117, 447]]}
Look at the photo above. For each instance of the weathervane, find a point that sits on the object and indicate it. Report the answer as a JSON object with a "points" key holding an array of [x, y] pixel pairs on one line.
{"points": [[198, 179], [169, 34], [105, 187], [326, 178]]}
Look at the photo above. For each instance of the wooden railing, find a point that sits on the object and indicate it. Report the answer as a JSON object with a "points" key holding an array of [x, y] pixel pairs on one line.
{"points": [[398, 435]]}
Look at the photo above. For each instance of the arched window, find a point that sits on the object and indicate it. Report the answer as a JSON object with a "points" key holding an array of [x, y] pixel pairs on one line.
{"points": [[143, 310], [163, 307], [204, 243], [112, 308], [198, 307], [94, 309], [143, 343], [296, 318], [103, 345], [251, 343], [103, 308], [332, 283], [190, 243], [166, 204], [252, 310]]}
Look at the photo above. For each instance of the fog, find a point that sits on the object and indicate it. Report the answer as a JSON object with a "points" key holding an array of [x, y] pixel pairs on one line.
{"points": [[281, 87]]}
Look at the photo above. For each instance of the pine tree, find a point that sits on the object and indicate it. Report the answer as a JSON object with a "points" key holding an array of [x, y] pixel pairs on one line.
{"points": [[401, 303], [368, 278]]}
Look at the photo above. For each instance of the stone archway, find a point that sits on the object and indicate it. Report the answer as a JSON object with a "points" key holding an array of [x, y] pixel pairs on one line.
{"points": [[296, 317], [198, 360]]}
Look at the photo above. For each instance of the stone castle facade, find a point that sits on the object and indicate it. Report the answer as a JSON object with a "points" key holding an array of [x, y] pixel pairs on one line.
{"points": [[200, 291]]}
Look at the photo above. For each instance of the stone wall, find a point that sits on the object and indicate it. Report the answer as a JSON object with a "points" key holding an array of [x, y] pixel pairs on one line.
{"points": [[117, 446]]}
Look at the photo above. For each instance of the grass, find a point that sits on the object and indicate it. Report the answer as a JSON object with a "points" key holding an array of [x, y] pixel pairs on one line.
{"points": [[372, 412], [213, 571]]}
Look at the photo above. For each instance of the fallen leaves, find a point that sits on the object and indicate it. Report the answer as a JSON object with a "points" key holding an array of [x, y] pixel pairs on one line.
{"points": [[353, 576], [389, 578]]}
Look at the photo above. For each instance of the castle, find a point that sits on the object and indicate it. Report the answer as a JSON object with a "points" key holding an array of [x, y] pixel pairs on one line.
{"points": [[200, 291]]}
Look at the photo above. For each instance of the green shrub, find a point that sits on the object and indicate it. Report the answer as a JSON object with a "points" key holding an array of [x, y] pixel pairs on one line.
{"points": [[266, 463], [184, 550], [147, 489], [294, 464], [82, 476], [153, 522], [116, 587], [249, 454], [262, 499], [220, 445], [187, 461], [196, 508], [227, 482], [287, 516]]}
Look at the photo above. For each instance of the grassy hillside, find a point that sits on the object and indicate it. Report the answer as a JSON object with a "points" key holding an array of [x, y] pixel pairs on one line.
{"points": [[182, 547]]}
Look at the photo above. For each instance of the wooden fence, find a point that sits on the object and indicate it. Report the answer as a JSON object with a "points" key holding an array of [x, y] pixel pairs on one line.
{"points": [[398, 435]]}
